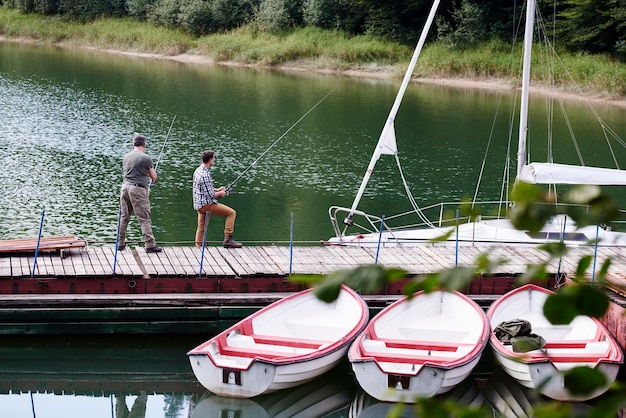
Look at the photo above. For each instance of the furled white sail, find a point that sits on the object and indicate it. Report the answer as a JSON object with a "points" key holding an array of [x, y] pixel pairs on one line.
{"points": [[550, 173]]}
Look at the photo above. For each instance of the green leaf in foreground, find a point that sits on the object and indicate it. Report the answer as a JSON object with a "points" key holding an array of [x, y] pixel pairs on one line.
{"points": [[583, 380], [573, 300], [366, 279]]}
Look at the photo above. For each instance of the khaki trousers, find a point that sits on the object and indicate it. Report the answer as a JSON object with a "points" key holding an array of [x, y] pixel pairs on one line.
{"points": [[136, 199], [215, 209]]}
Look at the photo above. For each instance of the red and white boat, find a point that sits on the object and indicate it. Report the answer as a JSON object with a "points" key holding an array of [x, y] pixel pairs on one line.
{"points": [[285, 344], [583, 342], [420, 347]]}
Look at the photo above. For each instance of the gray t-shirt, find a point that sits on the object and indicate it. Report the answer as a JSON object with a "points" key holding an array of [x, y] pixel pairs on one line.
{"points": [[137, 167]]}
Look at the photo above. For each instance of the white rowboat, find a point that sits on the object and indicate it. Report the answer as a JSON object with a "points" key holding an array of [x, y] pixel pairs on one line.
{"points": [[420, 347], [285, 344], [583, 342]]}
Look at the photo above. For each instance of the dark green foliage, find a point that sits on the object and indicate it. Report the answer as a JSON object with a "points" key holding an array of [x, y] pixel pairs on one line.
{"points": [[139, 9], [229, 14], [86, 10], [166, 12], [277, 15], [196, 17], [46, 7], [595, 26], [400, 20], [604, 24], [344, 15], [467, 27], [583, 380]]}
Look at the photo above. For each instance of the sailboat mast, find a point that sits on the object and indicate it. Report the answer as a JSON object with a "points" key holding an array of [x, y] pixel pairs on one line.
{"points": [[528, 45], [387, 140]]}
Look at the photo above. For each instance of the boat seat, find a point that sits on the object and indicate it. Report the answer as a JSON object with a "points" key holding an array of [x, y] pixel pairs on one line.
{"points": [[568, 343], [289, 341], [239, 345], [423, 345], [568, 357], [383, 352], [394, 357]]}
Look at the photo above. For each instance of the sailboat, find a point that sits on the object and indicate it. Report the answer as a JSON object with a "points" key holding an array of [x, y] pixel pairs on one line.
{"points": [[373, 231]]}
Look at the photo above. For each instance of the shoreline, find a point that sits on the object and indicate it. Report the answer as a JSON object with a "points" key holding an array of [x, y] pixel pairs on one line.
{"points": [[380, 73], [377, 73]]}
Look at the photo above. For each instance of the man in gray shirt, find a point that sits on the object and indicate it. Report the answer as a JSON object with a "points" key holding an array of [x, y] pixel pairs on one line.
{"points": [[139, 173]]}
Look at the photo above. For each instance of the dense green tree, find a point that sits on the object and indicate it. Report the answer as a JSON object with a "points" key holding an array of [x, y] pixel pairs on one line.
{"points": [[604, 24], [344, 15], [594, 26]]}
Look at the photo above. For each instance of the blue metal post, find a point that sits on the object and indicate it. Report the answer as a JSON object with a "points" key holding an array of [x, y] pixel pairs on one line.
{"points": [[291, 244], [117, 240], [595, 255], [456, 253], [32, 273], [380, 235], [558, 270], [206, 224]]}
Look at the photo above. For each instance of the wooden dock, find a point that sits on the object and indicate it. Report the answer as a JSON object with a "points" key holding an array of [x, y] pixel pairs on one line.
{"points": [[251, 261], [81, 290]]}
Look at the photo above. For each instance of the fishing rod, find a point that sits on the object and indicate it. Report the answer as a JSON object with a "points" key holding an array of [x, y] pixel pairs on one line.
{"points": [[164, 142], [162, 148], [229, 188]]}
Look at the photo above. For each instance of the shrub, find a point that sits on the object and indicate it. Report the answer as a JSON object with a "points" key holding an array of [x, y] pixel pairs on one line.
{"points": [[277, 15], [230, 14], [342, 15]]}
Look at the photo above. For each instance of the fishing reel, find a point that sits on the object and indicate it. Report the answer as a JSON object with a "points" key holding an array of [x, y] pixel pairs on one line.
{"points": [[229, 189], [348, 221]]}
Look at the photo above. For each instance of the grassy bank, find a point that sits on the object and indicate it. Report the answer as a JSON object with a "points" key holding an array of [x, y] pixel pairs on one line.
{"points": [[313, 49]]}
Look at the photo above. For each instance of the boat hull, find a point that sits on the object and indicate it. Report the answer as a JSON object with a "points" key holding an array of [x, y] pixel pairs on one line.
{"points": [[285, 344], [420, 347], [584, 342], [261, 377]]}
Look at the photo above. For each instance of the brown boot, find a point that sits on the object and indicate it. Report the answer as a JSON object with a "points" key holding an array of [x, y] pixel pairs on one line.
{"points": [[229, 242]]}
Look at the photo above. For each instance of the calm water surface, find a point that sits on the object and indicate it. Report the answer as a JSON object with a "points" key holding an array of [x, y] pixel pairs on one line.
{"points": [[68, 117], [122, 376], [67, 120]]}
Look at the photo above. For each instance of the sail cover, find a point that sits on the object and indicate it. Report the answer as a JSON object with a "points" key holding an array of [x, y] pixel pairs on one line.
{"points": [[550, 173]]}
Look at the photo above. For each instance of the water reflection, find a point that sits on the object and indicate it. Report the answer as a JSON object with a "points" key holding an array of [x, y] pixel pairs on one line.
{"points": [[134, 376], [322, 397]]}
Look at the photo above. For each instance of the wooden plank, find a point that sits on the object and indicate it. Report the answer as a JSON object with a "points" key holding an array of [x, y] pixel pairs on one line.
{"points": [[45, 244], [235, 261], [81, 264], [188, 266], [5, 267], [157, 264], [44, 265], [68, 264], [213, 264], [130, 265], [57, 266], [172, 257], [269, 264], [99, 262]]}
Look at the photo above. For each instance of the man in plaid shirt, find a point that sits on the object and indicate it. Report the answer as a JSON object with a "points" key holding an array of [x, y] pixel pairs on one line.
{"points": [[205, 202]]}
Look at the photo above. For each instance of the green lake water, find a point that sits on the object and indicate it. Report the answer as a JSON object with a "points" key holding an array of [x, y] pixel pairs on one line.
{"points": [[68, 117]]}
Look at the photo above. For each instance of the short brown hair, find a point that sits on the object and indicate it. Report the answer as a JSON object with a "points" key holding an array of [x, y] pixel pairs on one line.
{"points": [[139, 140], [207, 156]]}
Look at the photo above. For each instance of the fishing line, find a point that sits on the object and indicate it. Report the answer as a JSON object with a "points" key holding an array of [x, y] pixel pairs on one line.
{"points": [[164, 142], [229, 188]]}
